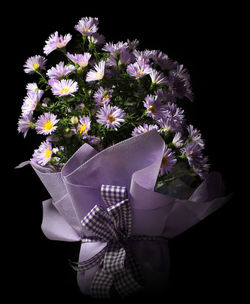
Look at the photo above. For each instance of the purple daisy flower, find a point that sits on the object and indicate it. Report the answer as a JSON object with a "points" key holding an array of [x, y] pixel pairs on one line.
{"points": [[32, 87], [144, 56], [64, 87], [56, 42], [138, 70], [173, 117], [24, 124], [168, 161], [87, 26], [164, 61], [157, 77], [46, 123], [34, 63], [84, 125], [102, 96], [31, 101], [155, 108], [116, 48], [165, 96], [43, 154], [176, 85], [143, 129], [97, 39], [132, 45], [193, 153], [81, 59], [195, 135], [97, 73], [178, 140], [110, 116], [60, 70]]}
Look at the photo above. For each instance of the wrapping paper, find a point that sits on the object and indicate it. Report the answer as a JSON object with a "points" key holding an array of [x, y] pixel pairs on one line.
{"points": [[133, 163]]}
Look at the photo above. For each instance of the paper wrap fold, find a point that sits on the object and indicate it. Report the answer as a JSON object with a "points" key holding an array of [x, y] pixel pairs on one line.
{"points": [[133, 163]]}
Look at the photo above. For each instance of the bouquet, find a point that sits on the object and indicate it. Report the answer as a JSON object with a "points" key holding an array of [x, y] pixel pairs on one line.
{"points": [[125, 170]]}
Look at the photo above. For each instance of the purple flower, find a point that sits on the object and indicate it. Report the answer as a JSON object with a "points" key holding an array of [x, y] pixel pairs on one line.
{"points": [[164, 61], [176, 85], [193, 153], [31, 101], [168, 161], [138, 70], [143, 129], [64, 87], [87, 26], [46, 123], [177, 140], [84, 125], [173, 118], [96, 39], [155, 108], [43, 154], [144, 56], [24, 124], [110, 116], [81, 59], [102, 96], [116, 48], [60, 70], [34, 63], [183, 74], [157, 77], [32, 87], [56, 42], [132, 45], [195, 135], [97, 73]]}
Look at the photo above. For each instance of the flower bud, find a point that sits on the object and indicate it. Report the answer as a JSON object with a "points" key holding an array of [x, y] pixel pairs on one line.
{"points": [[74, 120]]}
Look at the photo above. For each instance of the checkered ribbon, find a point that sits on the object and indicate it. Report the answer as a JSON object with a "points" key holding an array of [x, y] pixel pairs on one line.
{"points": [[112, 224]]}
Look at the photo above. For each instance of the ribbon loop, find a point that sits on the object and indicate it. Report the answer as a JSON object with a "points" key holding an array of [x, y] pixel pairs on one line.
{"points": [[111, 225]]}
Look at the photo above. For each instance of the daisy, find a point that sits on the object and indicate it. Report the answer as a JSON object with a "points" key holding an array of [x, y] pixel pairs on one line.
{"points": [[116, 48], [81, 59], [84, 125], [110, 116], [177, 140], [64, 87], [60, 70], [87, 26], [97, 73], [168, 161], [34, 63], [193, 152], [138, 70], [97, 39], [157, 77], [175, 116], [46, 123], [155, 108], [143, 129], [31, 101], [164, 61], [195, 135], [24, 124], [102, 96], [32, 87], [43, 154], [56, 42]]}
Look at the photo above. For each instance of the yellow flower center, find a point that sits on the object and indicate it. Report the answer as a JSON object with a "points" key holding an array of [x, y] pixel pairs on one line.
{"points": [[111, 118], [36, 66], [48, 125], [139, 73], [164, 161], [152, 109], [64, 90], [47, 153], [59, 44], [83, 129], [99, 76], [86, 29]]}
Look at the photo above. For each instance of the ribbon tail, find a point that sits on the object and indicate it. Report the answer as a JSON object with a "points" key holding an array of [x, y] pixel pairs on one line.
{"points": [[101, 284]]}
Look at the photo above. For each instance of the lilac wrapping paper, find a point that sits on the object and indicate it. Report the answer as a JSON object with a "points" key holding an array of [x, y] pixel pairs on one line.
{"points": [[133, 163]]}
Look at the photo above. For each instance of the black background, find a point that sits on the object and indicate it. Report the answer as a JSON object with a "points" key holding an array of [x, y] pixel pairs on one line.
{"points": [[206, 260]]}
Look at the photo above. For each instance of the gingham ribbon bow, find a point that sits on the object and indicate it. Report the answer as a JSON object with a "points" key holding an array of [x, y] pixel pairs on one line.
{"points": [[111, 225]]}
